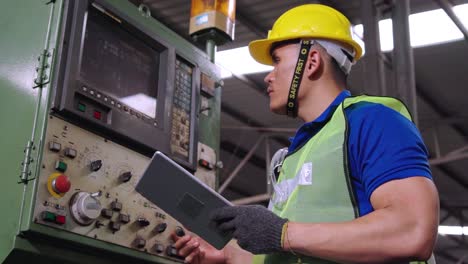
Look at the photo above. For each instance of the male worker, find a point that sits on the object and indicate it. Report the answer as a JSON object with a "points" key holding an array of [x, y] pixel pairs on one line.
{"points": [[355, 186]]}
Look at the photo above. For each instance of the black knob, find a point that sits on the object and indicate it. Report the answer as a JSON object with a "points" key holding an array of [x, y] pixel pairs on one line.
{"points": [[124, 218], [114, 226], [143, 222], [107, 213], [171, 251], [179, 231], [139, 242], [116, 206], [126, 176], [95, 165], [158, 248], [161, 227]]}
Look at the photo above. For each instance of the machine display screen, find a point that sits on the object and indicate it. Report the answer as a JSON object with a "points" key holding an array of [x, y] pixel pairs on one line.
{"points": [[119, 64]]}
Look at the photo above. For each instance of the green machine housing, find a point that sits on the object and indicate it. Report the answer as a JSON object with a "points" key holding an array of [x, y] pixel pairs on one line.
{"points": [[89, 90]]}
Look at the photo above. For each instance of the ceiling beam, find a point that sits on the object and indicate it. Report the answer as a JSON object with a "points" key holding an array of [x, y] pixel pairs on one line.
{"points": [[455, 213], [244, 160], [446, 216], [458, 240], [237, 191], [440, 111], [240, 153], [448, 158], [448, 8]]}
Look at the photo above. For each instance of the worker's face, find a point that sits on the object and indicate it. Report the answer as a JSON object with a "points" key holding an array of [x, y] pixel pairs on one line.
{"points": [[279, 79]]}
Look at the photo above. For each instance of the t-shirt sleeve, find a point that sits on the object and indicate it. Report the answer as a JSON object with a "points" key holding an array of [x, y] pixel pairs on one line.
{"points": [[383, 146]]}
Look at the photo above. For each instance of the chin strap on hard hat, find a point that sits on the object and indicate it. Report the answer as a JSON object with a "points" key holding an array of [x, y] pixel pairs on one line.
{"points": [[343, 56], [291, 106]]}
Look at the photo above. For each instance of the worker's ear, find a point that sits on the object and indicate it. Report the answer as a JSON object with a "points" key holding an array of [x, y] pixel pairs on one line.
{"points": [[314, 64]]}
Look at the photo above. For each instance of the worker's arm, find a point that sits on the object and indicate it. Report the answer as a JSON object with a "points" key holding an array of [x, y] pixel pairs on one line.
{"points": [[402, 227]]}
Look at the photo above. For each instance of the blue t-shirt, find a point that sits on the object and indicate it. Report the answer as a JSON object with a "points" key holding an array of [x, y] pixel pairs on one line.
{"points": [[383, 145]]}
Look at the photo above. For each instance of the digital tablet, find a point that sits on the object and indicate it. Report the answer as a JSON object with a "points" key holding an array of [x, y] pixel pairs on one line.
{"points": [[180, 194]]}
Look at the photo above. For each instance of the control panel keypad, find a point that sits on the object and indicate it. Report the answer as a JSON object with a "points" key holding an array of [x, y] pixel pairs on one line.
{"points": [[180, 135]]}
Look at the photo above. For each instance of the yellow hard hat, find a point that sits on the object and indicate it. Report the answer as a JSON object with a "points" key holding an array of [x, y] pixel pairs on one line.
{"points": [[306, 21]]}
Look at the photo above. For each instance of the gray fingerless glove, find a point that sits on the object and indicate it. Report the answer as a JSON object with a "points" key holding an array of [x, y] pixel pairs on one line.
{"points": [[256, 228]]}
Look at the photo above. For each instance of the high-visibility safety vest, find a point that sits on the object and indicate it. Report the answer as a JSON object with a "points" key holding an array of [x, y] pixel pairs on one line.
{"points": [[314, 184]]}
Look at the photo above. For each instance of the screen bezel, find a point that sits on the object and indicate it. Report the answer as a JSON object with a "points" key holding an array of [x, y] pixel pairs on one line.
{"points": [[145, 137]]}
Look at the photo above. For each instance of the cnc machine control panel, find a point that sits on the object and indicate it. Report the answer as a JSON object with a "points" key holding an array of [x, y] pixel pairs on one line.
{"points": [[86, 186]]}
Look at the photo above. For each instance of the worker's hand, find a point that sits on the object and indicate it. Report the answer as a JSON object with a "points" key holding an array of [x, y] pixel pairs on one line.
{"points": [[256, 228], [196, 250]]}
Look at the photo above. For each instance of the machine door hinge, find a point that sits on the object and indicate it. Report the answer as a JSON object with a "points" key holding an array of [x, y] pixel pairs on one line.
{"points": [[25, 171], [43, 68]]}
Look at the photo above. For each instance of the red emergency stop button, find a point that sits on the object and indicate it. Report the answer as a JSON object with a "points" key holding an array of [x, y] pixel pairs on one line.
{"points": [[61, 184]]}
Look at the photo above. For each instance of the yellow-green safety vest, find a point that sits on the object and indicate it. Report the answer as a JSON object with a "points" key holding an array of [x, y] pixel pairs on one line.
{"points": [[314, 184]]}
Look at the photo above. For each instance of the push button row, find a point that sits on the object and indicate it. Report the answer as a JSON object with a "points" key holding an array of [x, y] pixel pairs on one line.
{"points": [[53, 218], [68, 152], [81, 107]]}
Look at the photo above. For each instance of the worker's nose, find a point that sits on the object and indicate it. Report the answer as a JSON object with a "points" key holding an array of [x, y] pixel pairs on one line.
{"points": [[269, 78]]}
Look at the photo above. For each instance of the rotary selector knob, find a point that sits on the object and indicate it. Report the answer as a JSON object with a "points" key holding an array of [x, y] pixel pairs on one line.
{"points": [[61, 184], [126, 176], [85, 208], [161, 227], [95, 165], [179, 231], [143, 222]]}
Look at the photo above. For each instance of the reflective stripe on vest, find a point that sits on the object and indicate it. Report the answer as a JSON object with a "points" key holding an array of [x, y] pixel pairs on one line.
{"points": [[314, 183]]}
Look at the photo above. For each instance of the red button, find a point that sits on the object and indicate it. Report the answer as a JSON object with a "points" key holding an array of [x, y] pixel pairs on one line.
{"points": [[205, 164], [60, 219], [62, 184], [97, 115]]}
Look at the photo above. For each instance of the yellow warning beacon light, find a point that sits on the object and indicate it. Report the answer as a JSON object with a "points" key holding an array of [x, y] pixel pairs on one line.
{"points": [[214, 19]]}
